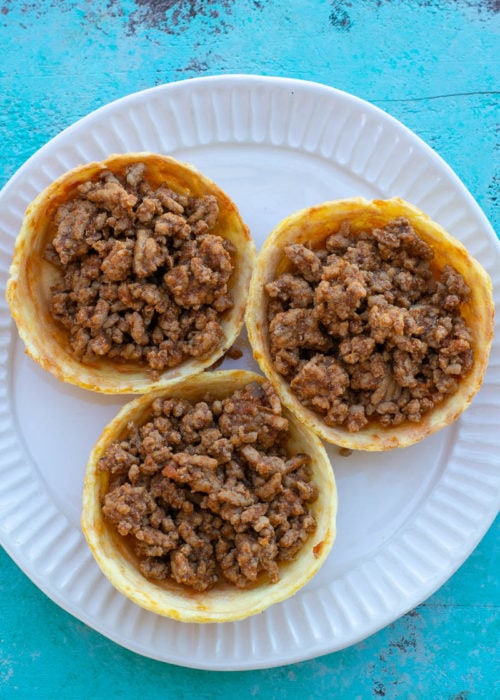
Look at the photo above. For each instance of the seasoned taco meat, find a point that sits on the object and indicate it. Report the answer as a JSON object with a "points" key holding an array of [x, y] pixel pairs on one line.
{"points": [[143, 276], [364, 328], [207, 492]]}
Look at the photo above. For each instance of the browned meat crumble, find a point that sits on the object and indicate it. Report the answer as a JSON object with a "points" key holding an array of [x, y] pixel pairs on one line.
{"points": [[143, 276], [207, 492], [365, 330]]}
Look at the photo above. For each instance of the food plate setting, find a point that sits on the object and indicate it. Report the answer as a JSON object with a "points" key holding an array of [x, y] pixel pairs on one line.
{"points": [[407, 518]]}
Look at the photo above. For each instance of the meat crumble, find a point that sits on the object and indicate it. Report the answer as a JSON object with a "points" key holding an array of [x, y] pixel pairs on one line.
{"points": [[365, 329], [207, 492], [144, 277]]}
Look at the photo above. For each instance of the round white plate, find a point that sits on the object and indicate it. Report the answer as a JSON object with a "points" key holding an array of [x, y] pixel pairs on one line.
{"points": [[406, 519]]}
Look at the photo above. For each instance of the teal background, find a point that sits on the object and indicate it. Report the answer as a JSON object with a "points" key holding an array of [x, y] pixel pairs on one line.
{"points": [[432, 64]]}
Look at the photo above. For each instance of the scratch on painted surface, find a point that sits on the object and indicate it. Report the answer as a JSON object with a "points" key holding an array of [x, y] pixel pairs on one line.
{"points": [[388, 679], [169, 16], [494, 189], [175, 16], [6, 669], [339, 17], [341, 20]]}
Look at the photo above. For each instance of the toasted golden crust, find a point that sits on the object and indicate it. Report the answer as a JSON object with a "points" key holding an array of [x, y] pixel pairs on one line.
{"points": [[31, 278], [314, 225], [222, 603]]}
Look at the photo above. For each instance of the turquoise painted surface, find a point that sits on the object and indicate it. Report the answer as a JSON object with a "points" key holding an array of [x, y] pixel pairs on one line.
{"points": [[433, 64]]}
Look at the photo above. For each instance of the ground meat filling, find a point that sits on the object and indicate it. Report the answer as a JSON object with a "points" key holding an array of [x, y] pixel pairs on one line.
{"points": [[364, 330], [207, 492], [144, 278]]}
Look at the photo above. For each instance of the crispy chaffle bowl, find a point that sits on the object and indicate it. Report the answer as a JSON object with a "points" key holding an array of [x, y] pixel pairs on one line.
{"points": [[31, 278], [225, 602], [312, 226]]}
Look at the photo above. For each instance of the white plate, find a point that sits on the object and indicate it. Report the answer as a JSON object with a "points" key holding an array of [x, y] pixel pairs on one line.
{"points": [[406, 519]]}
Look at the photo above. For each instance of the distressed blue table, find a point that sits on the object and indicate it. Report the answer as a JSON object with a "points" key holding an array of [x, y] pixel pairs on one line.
{"points": [[433, 64]]}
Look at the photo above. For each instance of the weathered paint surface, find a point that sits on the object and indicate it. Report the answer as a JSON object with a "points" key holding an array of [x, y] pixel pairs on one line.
{"points": [[430, 63], [433, 64]]}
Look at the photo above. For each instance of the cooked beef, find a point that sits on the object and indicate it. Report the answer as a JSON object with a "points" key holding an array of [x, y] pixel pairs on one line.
{"points": [[208, 491], [364, 330], [143, 275]]}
